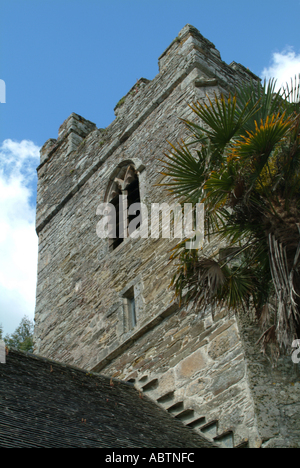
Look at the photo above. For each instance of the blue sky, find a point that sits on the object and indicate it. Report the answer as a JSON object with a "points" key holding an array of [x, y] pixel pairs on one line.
{"points": [[58, 57]]}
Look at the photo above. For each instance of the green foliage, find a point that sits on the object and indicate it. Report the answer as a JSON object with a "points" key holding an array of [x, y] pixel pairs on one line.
{"points": [[223, 120], [187, 172], [22, 338], [242, 160], [120, 102]]}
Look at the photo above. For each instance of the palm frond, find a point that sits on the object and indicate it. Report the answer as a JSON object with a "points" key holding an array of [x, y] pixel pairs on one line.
{"points": [[291, 95], [221, 118], [186, 173], [217, 189], [288, 316], [262, 98], [264, 139]]}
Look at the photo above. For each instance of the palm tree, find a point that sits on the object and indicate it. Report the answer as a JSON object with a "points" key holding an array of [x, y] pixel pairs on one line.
{"points": [[242, 161]]}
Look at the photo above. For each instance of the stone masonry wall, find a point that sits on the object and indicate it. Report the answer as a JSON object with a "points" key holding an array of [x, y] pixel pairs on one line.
{"points": [[194, 366], [274, 385]]}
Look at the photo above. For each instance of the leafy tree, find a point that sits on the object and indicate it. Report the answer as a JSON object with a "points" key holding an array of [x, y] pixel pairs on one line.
{"points": [[22, 338], [1, 331], [242, 161]]}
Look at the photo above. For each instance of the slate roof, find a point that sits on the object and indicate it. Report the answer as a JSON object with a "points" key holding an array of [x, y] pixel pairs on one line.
{"points": [[44, 403]]}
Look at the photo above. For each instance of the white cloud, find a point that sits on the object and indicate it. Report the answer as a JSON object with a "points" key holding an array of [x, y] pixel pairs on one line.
{"points": [[284, 66], [18, 240]]}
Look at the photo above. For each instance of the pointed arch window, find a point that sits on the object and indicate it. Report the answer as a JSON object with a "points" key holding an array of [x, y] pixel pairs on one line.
{"points": [[124, 192]]}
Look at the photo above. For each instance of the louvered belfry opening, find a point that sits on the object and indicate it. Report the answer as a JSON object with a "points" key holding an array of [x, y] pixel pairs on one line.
{"points": [[123, 193]]}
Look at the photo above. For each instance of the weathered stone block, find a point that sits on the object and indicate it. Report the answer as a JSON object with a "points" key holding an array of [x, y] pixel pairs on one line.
{"points": [[191, 365], [223, 342]]}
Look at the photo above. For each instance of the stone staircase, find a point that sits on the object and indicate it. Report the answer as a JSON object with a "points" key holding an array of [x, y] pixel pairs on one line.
{"points": [[189, 417]]}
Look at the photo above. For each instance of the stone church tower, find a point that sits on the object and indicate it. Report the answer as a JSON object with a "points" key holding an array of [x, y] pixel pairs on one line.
{"points": [[106, 306]]}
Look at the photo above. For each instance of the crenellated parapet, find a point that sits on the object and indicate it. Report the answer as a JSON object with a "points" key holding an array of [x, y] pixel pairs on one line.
{"points": [[191, 62]]}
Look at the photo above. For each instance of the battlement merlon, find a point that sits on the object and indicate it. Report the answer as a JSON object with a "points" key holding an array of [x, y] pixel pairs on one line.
{"points": [[191, 61], [75, 128], [191, 36], [190, 40]]}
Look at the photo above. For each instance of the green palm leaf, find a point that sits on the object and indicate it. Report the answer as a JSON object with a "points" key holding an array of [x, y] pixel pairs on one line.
{"points": [[222, 118], [263, 99], [291, 95], [186, 172], [264, 139]]}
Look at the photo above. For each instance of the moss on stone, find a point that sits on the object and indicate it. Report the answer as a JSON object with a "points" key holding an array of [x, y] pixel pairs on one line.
{"points": [[120, 103]]}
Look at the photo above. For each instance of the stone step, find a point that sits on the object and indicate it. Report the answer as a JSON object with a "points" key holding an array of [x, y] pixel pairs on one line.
{"points": [[176, 408], [186, 416], [165, 400], [210, 429], [197, 423], [226, 439], [150, 386], [244, 444]]}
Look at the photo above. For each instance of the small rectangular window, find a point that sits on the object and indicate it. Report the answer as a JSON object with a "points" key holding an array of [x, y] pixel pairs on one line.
{"points": [[132, 316], [129, 309]]}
